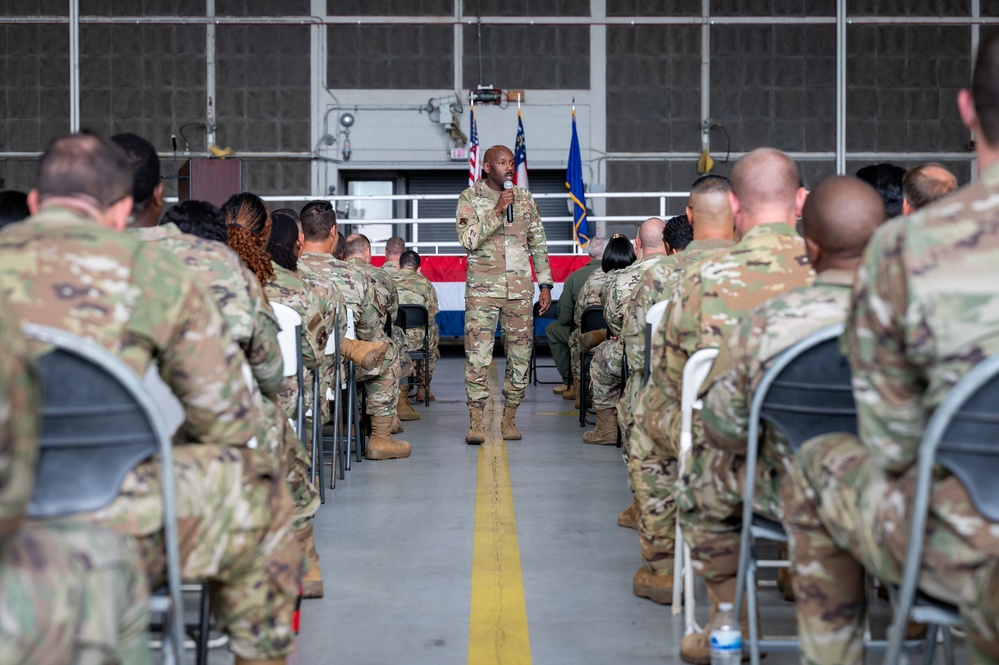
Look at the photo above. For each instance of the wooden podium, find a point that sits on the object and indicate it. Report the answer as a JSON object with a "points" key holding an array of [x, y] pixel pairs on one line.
{"points": [[212, 180]]}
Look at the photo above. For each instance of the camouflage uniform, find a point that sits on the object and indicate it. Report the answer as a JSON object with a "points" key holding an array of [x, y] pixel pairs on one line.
{"points": [[388, 295], [415, 289], [381, 384], [924, 312], [589, 296], [142, 304], [558, 332], [499, 286], [69, 591], [710, 497], [391, 266], [253, 326], [706, 304]]}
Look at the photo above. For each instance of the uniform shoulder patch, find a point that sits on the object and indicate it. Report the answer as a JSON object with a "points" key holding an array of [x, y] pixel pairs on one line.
{"points": [[463, 221]]}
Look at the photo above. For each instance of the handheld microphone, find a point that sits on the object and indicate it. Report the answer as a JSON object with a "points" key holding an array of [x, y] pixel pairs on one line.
{"points": [[509, 209]]}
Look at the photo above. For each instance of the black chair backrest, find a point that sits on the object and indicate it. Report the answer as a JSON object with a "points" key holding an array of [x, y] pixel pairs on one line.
{"points": [[550, 313], [812, 394], [94, 428], [969, 444], [592, 319], [412, 316], [388, 323]]}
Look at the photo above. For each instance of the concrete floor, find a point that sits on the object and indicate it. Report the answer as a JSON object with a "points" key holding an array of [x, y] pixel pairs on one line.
{"points": [[395, 540]]}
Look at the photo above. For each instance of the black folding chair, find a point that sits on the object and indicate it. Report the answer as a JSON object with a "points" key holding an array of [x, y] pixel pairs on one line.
{"points": [[550, 315], [98, 423], [591, 319], [960, 438], [417, 316]]}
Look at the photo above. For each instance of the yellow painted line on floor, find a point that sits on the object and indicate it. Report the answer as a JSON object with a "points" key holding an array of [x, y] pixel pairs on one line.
{"points": [[497, 632]]}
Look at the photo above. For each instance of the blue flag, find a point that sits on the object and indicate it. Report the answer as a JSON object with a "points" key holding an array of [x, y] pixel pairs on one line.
{"points": [[574, 183], [520, 155]]}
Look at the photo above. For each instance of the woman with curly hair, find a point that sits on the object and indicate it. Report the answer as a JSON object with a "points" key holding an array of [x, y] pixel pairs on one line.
{"points": [[249, 226]]}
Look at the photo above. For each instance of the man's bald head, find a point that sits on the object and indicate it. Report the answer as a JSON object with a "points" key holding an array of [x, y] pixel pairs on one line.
{"points": [[839, 218], [924, 184], [766, 187], [650, 233]]}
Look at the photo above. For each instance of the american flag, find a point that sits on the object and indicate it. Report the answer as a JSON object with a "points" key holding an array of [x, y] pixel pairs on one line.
{"points": [[520, 155], [474, 167]]}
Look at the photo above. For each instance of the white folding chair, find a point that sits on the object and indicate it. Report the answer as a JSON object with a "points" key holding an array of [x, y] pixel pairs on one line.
{"points": [[290, 341], [653, 318], [695, 371]]}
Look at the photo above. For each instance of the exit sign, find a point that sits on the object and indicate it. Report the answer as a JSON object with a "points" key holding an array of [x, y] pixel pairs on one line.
{"points": [[459, 154]]}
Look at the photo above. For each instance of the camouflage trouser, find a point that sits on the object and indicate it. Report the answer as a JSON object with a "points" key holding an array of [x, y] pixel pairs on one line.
{"points": [[295, 462], [381, 384], [415, 340], [574, 355], [626, 414], [710, 503], [234, 516], [605, 373], [72, 592], [401, 341], [516, 320], [844, 515], [652, 471], [558, 342]]}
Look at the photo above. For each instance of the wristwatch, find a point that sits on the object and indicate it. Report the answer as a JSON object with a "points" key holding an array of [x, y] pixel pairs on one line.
{"points": [[545, 286]]}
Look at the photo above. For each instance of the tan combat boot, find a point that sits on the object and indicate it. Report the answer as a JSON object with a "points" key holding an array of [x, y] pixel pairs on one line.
{"points": [[605, 432], [312, 583], [560, 389], [572, 391], [591, 340], [364, 354], [404, 409], [657, 588], [696, 647], [507, 426], [628, 518], [381, 443], [397, 427], [421, 395], [476, 432]]}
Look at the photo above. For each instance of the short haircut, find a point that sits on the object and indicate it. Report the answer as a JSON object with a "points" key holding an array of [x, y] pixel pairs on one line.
{"points": [[711, 183], [765, 177], [619, 254], [678, 233], [886, 179], [317, 223], [357, 244], [650, 232], [199, 218], [341, 247], [395, 245], [13, 207], [315, 204], [409, 259], [924, 184], [595, 248], [985, 88], [84, 164], [145, 167], [841, 214]]}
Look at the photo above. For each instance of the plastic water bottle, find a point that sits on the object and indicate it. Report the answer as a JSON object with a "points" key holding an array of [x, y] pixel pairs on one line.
{"points": [[726, 638]]}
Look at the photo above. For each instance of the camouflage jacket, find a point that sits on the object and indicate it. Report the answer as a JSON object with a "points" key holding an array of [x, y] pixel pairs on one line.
{"points": [[19, 402], [415, 289], [139, 302], [388, 295], [236, 292], [617, 291], [750, 350], [570, 291], [358, 291], [391, 266], [925, 310], [499, 254], [589, 295], [656, 284]]}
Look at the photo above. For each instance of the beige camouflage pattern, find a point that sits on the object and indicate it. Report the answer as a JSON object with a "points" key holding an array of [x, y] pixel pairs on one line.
{"points": [[707, 303], [381, 384], [142, 304], [589, 295], [415, 289], [391, 266], [710, 496], [499, 287], [925, 310], [605, 374], [388, 295], [559, 331]]}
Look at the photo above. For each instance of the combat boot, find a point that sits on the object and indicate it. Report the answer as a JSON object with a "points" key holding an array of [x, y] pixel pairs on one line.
{"points": [[628, 518], [572, 391], [560, 389], [605, 432], [404, 409], [696, 647], [397, 427], [507, 426], [657, 588], [476, 431], [312, 583], [591, 340], [421, 395], [367, 355], [381, 443]]}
